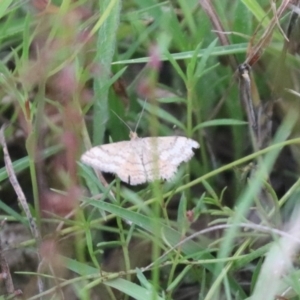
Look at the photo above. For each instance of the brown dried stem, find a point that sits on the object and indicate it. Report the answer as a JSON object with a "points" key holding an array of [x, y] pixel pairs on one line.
{"points": [[5, 272], [218, 27], [21, 197], [266, 37], [14, 182]]}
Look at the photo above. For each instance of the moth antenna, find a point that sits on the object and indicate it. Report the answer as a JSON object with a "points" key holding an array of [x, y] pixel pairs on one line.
{"points": [[138, 122], [122, 120]]}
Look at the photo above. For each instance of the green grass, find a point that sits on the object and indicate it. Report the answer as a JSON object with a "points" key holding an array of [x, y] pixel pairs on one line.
{"points": [[222, 228]]}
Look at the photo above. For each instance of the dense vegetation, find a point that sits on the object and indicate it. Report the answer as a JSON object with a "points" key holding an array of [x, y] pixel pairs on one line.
{"points": [[223, 73]]}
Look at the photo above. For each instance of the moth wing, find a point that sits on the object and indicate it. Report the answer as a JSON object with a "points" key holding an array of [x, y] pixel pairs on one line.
{"points": [[163, 155], [118, 158]]}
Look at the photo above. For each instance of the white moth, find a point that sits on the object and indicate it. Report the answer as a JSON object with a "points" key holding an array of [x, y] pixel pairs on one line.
{"points": [[141, 160]]}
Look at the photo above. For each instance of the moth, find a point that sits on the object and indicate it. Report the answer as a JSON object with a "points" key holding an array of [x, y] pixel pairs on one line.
{"points": [[141, 160]]}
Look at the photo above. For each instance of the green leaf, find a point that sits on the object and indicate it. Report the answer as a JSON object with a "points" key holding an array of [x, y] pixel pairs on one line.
{"points": [[127, 287], [143, 280], [192, 63], [4, 4], [181, 214], [175, 65], [257, 11], [80, 268], [179, 278], [13, 213], [132, 289], [172, 26], [260, 14], [23, 163], [161, 113], [200, 69], [217, 51], [171, 100], [248, 258], [108, 25], [174, 237], [256, 273], [220, 122]]}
